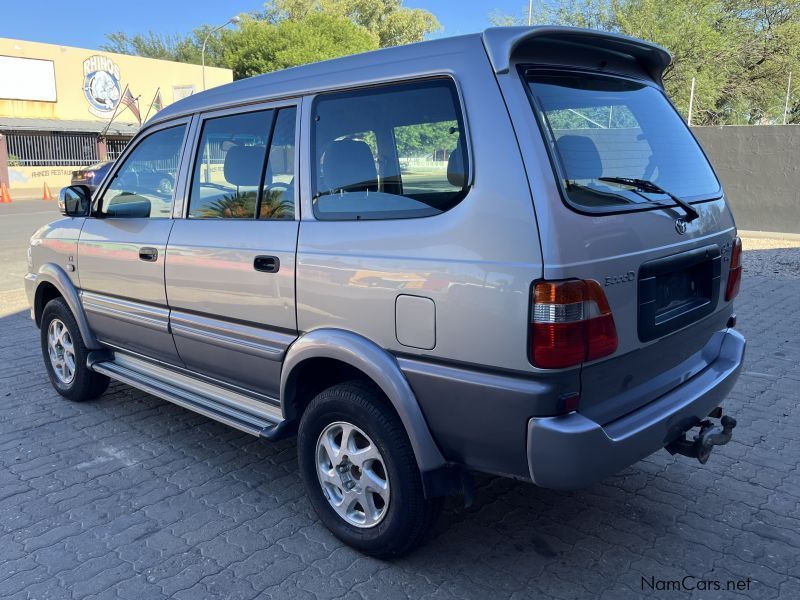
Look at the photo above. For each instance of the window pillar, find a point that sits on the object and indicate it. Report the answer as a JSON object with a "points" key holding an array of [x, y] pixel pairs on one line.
{"points": [[102, 149], [4, 161]]}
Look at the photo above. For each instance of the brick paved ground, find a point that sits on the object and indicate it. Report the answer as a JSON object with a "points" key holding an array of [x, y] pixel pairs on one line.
{"points": [[131, 497]]}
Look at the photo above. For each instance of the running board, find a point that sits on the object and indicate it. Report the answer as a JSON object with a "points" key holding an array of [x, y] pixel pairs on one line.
{"points": [[216, 402]]}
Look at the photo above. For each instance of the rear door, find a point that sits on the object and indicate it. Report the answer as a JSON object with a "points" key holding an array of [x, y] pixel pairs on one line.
{"points": [[122, 247], [583, 133], [230, 261]]}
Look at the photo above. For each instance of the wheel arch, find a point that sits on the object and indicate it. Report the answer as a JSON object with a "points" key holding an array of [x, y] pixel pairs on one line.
{"points": [[356, 354], [51, 282]]}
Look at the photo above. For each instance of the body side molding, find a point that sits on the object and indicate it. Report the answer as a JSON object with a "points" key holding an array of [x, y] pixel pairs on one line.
{"points": [[56, 276], [378, 365]]}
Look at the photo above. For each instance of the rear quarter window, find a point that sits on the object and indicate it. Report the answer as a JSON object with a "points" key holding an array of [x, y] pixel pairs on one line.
{"points": [[389, 152]]}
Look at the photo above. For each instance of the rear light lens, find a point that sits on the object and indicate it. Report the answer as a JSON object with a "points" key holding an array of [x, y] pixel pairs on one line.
{"points": [[571, 323], [735, 273]]}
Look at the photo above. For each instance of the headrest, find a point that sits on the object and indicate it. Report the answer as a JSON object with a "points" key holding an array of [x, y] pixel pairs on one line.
{"points": [[456, 173], [580, 157], [243, 165], [348, 165]]}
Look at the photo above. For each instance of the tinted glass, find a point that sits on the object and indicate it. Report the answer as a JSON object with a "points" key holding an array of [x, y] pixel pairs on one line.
{"points": [[144, 185], [601, 126], [277, 201], [229, 166], [390, 152]]}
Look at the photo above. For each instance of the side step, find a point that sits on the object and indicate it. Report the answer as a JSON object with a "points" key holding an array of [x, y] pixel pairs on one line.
{"points": [[238, 410]]}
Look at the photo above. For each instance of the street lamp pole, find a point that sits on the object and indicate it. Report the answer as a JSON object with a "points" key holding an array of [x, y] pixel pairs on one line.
{"points": [[788, 96], [232, 20]]}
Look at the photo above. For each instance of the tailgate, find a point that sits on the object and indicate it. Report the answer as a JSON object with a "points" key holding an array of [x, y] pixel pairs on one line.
{"points": [[625, 196], [667, 302]]}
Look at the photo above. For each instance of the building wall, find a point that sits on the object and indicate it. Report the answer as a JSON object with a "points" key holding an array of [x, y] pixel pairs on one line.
{"points": [[143, 75], [29, 181], [760, 170], [76, 84]]}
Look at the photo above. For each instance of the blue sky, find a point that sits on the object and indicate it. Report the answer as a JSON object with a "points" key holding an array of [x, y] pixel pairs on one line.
{"points": [[82, 23]]}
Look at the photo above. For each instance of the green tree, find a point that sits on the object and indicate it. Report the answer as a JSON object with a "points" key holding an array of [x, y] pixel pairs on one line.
{"points": [[259, 46], [186, 49], [738, 51], [389, 20], [288, 33], [423, 138]]}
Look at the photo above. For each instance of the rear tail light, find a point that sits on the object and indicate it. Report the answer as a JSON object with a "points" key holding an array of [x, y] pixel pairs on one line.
{"points": [[735, 273], [571, 323]]}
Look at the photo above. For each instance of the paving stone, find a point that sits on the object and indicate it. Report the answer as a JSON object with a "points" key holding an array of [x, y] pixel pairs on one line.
{"points": [[132, 498]]}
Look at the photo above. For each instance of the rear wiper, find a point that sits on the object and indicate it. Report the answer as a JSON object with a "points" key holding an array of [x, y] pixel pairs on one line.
{"points": [[649, 187]]}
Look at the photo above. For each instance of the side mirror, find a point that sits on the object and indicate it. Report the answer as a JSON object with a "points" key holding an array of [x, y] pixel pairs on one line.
{"points": [[75, 201]]}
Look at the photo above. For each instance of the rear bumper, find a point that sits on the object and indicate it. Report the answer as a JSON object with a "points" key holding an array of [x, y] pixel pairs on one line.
{"points": [[572, 451]]}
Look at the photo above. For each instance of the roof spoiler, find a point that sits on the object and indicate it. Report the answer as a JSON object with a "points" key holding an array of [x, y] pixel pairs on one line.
{"points": [[502, 42]]}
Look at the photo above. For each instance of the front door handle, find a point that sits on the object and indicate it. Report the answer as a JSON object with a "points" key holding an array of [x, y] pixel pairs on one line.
{"points": [[267, 264], [149, 254]]}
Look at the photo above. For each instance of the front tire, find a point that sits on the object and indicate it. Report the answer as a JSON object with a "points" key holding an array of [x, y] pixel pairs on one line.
{"points": [[65, 355], [360, 473]]}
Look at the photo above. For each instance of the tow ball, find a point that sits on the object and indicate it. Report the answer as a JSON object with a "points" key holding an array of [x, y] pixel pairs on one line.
{"points": [[710, 435]]}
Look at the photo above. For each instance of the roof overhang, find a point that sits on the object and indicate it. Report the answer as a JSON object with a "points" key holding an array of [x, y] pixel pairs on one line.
{"points": [[65, 126], [502, 43]]}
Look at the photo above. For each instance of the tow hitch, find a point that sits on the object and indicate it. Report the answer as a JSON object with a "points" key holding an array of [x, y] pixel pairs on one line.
{"points": [[710, 435]]}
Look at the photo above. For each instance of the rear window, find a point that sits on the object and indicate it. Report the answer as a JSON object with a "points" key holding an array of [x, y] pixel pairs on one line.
{"points": [[601, 127]]}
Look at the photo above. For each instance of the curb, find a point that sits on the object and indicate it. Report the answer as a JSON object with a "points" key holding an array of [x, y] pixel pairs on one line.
{"points": [[769, 235]]}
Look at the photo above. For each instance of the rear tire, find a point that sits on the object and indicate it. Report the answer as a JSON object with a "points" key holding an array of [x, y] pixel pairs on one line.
{"points": [[65, 355], [397, 516]]}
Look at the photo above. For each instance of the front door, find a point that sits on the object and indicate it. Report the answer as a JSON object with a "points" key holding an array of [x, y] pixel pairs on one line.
{"points": [[230, 262], [122, 248]]}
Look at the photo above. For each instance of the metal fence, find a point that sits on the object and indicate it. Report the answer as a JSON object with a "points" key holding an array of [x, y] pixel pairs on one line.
{"points": [[48, 149], [115, 147]]}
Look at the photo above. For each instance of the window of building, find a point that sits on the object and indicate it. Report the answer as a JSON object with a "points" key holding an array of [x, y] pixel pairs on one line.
{"points": [[179, 92], [390, 152]]}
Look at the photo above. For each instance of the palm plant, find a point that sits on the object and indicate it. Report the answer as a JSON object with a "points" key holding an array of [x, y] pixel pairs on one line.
{"points": [[276, 205], [231, 206]]}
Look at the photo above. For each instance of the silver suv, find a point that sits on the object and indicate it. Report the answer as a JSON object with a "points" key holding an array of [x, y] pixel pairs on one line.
{"points": [[501, 252]]}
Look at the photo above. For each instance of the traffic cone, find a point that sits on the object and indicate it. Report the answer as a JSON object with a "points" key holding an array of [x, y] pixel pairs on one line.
{"points": [[5, 197], [46, 195]]}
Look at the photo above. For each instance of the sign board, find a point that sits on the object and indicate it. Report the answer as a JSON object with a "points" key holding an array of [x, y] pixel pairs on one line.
{"points": [[27, 79]]}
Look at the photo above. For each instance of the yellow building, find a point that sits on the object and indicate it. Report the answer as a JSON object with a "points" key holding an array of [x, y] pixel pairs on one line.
{"points": [[55, 101]]}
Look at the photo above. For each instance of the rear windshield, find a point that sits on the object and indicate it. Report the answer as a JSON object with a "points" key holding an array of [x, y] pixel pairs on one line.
{"points": [[602, 127]]}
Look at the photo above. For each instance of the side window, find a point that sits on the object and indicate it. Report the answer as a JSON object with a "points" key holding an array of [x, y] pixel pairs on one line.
{"points": [[144, 185], [277, 201], [227, 171], [391, 152], [231, 180]]}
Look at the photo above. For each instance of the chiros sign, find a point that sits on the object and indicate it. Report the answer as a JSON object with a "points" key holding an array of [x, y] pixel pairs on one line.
{"points": [[101, 85]]}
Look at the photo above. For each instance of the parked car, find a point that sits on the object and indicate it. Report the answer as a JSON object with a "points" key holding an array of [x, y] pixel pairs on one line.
{"points": [[91, 176], [552, 302]]}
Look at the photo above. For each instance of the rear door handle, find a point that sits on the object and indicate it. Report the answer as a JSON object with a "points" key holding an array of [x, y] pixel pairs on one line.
{"points": [[148, 253], [267, 264]]}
